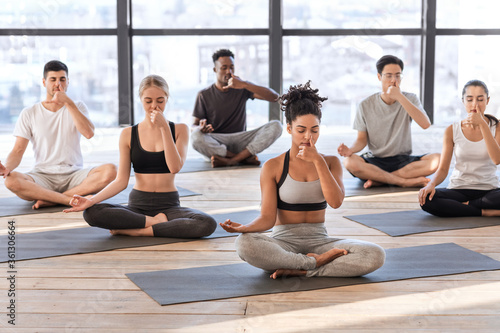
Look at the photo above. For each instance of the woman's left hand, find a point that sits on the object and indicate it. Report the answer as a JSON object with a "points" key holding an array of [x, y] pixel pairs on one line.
{"points": [[308, 152]]}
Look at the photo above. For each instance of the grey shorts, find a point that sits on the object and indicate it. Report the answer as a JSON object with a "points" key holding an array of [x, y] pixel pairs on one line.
{"points": [[59, 182]]}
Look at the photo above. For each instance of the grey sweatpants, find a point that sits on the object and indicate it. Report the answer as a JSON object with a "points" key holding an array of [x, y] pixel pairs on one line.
{"points": [[288, 245], [209, 144]]}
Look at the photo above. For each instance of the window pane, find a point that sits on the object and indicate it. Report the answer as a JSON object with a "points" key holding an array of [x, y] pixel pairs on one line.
{"points": [[93, 75], [466, 14], [199, 14], [35, 14], [361, 14], [186, 64], [457, 63], [343, 69]]}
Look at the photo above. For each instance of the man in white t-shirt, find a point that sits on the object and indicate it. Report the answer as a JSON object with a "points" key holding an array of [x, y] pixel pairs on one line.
{"points": [[383, 121], [54, 127]]}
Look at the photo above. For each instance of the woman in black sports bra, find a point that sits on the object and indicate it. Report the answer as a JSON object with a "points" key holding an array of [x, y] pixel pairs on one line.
{"points": [[296, 188], [157, 150]]}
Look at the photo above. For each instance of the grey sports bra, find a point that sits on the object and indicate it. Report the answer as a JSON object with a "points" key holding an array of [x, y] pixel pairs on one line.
{"points": [[299, 196]]}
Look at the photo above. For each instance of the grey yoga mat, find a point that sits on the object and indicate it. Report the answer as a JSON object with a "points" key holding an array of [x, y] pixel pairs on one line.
{"points": [[354, 187], [237, 280], [11, 206], [87, 240], [200, 164], [417, 221]]}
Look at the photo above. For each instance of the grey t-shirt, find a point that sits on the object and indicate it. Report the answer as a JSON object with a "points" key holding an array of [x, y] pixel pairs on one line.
{"points": [[225, 110], [388, 127]]}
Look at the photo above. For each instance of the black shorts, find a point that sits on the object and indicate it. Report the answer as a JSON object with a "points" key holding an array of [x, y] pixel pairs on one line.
{"points": [[391, 163]]}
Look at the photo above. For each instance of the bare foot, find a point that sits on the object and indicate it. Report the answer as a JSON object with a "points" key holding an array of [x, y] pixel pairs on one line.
{"points": [[287, 273], [148, 231], [415, 182], [328, 256], [219, 161], [371, 183], [158, 218], [42, 203], [252, 160]]}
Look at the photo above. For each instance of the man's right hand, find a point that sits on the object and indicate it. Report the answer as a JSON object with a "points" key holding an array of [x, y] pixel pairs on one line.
{"points": [[344, 150], [204, 127], [4, 171]]}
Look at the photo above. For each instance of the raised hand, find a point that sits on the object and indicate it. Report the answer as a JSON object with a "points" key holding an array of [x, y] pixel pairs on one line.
{"points": [[157, 117], [59, 97], [79, 203], [308, 151], [394, 91], [230, 226], [234, 82], [344, 151], [474, 119]]}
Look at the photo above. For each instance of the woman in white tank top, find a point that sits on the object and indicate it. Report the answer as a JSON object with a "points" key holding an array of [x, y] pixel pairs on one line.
{"points": [[475, 142]]}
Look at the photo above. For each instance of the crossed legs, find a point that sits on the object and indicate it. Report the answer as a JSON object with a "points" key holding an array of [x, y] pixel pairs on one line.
{"points": [[25, 187], [411, 175]]}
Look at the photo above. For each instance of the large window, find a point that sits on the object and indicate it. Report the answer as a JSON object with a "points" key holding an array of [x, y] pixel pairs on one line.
{"points": [[111, 45], [188, 68], [343, 69]]}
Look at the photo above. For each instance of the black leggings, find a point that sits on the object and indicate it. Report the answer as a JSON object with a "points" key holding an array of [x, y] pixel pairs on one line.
{"points": [[449, 202], [182, 222]]}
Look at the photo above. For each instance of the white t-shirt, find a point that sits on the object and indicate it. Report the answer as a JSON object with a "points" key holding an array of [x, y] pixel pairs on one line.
{"points": [[474, 169], [55, 139], [388, 127]]}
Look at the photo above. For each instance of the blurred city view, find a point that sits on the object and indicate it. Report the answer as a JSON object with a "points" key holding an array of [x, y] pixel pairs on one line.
{"points": [[341, 67]]}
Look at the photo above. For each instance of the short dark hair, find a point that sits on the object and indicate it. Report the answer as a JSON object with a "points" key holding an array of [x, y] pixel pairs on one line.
{"points": [[387, 60], [54, 66], [222, 53], [301, 100]]}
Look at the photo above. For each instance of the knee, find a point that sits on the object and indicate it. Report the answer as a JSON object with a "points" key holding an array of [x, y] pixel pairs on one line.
{"points": [[108, 173], [377, 257], [12, 183], [353, 164], [196, 138], [276, 128], [244, 245], [207, 225], [91, 214]]}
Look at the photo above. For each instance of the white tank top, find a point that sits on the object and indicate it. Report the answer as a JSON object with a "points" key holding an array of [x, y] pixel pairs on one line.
{"points": [[474, 168]]}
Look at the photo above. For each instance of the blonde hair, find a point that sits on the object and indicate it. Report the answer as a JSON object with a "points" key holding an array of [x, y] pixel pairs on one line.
{"points": [[154, 81]]}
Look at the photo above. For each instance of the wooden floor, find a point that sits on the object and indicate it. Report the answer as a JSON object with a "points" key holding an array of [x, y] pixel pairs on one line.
{"points": [[90, 292]]}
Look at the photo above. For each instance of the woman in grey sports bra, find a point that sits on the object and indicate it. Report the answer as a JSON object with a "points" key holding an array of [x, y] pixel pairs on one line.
{"points": [[296, 188]]}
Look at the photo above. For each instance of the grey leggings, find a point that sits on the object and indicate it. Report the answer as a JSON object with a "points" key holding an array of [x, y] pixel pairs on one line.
{"points": [[288, 245], [182, 222]]}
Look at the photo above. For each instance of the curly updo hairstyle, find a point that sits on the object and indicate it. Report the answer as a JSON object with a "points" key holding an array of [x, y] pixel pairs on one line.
{"points": [[301, 100]]}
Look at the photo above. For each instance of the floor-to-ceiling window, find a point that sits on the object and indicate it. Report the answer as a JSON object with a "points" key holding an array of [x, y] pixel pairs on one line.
{"points": [[333, 43]]}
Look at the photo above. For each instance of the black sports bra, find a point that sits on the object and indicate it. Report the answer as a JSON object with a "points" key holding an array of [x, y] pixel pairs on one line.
{"points": [[144, 161]]}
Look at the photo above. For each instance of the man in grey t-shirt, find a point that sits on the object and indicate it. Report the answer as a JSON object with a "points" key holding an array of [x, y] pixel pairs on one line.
{"points": [[383, 121], [219, 126]]}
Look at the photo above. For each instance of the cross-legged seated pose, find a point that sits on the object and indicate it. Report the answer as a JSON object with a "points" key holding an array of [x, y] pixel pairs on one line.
{"points": [[157, 149], [383, 122], [296, 188], [473, 188], [54, 128]]}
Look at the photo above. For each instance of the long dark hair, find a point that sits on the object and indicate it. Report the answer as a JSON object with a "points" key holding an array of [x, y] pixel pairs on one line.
{"points": [[478, 83]]}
